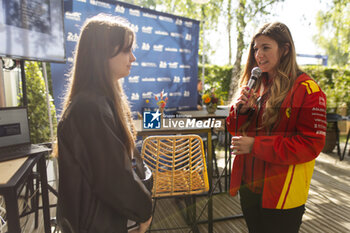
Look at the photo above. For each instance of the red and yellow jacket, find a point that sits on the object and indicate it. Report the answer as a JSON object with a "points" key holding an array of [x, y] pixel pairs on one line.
{"points": [[285, 158]]}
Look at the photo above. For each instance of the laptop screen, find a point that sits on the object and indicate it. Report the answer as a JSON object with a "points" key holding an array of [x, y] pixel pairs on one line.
{"points": [[14, 129]]}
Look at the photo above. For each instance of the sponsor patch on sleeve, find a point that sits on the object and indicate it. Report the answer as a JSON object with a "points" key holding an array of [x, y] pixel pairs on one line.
{"points": [[320, 122], [311, 86]]}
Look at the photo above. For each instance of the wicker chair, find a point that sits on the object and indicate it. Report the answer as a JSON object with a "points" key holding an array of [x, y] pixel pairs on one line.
{"points": [[179, 169]]}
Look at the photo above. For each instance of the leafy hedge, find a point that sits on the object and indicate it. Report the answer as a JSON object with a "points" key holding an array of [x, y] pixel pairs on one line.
{"points": [[218, 78], [335, 82], [37, 106]]}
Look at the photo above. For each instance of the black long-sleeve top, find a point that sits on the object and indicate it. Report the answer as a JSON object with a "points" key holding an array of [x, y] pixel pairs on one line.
{"points": [[98, 189]]}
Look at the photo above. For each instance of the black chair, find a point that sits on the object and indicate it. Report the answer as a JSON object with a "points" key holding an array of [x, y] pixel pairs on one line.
{"points": [[332, 120], [346, 142]]}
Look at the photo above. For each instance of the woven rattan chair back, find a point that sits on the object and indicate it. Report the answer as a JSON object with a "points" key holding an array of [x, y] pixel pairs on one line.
{"points": [[178, 165]]}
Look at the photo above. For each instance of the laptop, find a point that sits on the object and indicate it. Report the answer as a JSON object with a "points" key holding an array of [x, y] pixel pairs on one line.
{"points": [[15, 135]]}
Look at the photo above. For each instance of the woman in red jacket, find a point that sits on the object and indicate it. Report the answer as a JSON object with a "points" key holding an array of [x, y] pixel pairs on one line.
{"points": [[278, 132]]}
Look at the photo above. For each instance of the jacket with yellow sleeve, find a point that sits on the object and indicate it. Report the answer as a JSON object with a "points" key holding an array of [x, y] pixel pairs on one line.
{"points": [[286, 156]]}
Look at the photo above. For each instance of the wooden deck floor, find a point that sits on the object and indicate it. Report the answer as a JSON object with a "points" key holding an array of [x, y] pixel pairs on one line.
{"points": [[327, 208]]}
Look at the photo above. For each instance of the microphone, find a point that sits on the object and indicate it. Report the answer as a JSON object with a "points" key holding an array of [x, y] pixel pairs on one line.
{"points": [[256, 73]]}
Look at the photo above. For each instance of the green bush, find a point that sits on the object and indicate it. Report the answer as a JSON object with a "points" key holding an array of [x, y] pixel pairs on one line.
{"points": [[218, 78], [335, 82], [37, 105]]}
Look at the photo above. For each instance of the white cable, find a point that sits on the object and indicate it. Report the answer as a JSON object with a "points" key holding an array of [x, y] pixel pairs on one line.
{"points": [[3, 223]]}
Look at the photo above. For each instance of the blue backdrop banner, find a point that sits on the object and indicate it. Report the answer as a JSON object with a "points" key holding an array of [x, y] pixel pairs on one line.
{"points": [[166, 54]]}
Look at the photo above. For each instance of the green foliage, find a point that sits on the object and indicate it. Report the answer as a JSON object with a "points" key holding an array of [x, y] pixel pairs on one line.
{"points": [[334, 32], [335, 82], [37, 106], [218, 78]]}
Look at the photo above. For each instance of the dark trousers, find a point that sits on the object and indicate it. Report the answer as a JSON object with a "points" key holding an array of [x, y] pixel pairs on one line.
{"points": [[261, 220]]}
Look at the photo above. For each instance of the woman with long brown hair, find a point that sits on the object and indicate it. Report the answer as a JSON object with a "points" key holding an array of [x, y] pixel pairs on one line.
{"points": [[98, 188], [278, 129]]}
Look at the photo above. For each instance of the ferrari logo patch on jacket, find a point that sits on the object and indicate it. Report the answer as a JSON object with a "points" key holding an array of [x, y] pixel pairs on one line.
{"points": [[288, 112]]}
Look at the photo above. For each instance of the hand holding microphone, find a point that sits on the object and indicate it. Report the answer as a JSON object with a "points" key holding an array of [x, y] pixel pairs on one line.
{"points": [[242, 101]]}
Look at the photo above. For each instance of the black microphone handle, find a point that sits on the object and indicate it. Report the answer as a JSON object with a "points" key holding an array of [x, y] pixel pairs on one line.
{"points": [[239, 108], [250, 84]]}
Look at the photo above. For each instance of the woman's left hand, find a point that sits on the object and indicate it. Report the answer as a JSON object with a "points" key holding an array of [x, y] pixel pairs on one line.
{"points": [[241, 145]]}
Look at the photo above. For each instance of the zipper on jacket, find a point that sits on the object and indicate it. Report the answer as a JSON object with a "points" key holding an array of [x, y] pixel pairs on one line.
{"points": [[256, 134]]}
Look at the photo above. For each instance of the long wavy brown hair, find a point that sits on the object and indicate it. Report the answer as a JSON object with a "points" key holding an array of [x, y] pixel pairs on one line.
{"points": [[99, 37], [286, 72]]}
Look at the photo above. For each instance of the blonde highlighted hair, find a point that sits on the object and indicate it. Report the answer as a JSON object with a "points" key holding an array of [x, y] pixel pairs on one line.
{"points": [[99, 37], [286, 72]]}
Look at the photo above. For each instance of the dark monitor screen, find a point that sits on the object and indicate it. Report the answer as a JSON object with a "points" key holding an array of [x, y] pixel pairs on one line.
{"points": [[32, 30], [10, 129]]}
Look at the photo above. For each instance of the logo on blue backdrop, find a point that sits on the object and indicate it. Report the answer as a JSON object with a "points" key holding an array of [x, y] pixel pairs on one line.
{"points": [[151, 120]]}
